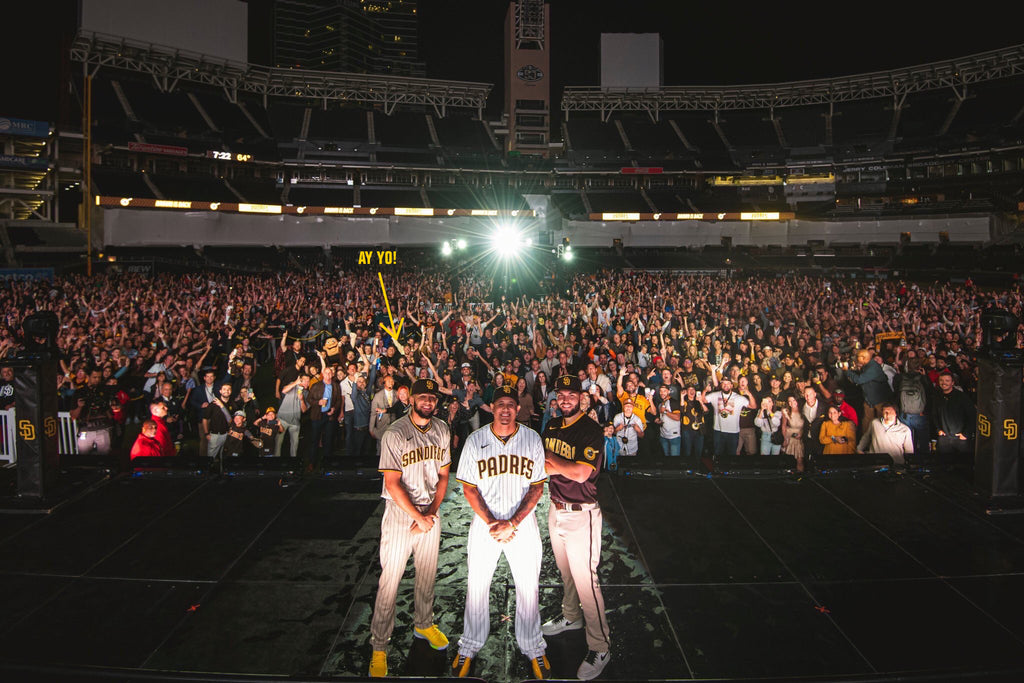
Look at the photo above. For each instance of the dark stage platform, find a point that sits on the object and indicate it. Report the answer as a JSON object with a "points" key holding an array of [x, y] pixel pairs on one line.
{"points": [[839, 576]]}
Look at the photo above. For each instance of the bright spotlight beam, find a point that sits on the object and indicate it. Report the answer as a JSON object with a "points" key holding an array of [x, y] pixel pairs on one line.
{"points": [[446, 248], [506, 242]]}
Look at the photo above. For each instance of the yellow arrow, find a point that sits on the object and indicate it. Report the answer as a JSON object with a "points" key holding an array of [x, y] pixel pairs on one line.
{"points": [[392, 331]]}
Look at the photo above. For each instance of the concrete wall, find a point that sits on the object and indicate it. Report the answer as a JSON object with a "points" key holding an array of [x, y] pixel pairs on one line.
{"points": [[139, 227]]}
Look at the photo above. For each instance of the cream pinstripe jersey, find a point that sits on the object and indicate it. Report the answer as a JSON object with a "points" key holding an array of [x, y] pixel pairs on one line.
{"points": [[502, 470], [419, 454]]}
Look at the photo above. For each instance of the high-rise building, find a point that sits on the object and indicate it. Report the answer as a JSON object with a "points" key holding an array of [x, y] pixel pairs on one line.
{"points": [[357, 36]]}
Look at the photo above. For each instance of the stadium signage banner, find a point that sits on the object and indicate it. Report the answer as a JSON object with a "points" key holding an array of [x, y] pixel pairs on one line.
{"points": [[26, 274], [725, 216], [147, 203], [172, 150], [641, 170], [24, 127], [12, 161]]}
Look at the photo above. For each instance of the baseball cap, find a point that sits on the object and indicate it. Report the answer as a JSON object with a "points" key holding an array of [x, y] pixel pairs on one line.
{"points": [[466, 365], [568, 383], [424, 386], [270, 409], [239, 413], [505, 392]]}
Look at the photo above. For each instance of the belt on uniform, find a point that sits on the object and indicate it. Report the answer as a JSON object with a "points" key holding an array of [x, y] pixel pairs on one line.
{"points": [[573, 507]]}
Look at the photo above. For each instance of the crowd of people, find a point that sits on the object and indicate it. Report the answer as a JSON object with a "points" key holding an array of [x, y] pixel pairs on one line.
{"points": [[681, 365]]}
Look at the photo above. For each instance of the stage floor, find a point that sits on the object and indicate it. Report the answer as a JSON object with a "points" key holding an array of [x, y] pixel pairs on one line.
{"points": [[839, 575]]}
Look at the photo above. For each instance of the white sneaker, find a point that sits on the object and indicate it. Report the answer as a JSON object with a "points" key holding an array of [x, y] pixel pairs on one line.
{"points": [[560, 624], [592, 666]]}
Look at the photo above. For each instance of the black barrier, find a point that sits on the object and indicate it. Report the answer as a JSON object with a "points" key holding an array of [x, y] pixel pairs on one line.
{"points": [[35, 410], [997, 448]]}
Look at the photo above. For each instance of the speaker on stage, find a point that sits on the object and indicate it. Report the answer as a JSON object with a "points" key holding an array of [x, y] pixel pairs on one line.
{"points": [[997, 448], [35, 428], [35, 405]]}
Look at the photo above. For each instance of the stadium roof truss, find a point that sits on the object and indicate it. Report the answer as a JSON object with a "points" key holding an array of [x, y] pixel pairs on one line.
{"points": [[169, 66], [956, 74]]}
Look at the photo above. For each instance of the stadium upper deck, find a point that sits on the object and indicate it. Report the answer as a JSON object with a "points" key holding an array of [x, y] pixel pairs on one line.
{"points": [[214, 134]]}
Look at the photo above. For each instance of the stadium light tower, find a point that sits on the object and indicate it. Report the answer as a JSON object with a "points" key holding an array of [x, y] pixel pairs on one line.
{"points": [[448, 247], [527, 69]]}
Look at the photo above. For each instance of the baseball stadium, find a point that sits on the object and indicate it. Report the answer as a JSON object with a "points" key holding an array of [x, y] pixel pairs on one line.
{"points": [[510, 340]]}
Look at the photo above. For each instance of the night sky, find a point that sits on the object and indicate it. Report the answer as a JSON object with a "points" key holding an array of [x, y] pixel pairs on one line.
{"points": [[707, 43]]}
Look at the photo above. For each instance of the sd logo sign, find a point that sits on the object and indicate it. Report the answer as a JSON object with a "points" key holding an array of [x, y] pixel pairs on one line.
{"points": [[984, 426], [27, 430]]}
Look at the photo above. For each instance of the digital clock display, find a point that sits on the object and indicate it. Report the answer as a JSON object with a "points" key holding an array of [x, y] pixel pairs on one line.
{"points": [[227, 156]]}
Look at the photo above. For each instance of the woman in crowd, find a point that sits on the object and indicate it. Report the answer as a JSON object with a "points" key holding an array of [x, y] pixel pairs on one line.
{"points": [[838, 435], [525, 415], [793, 426], [769, 421]]}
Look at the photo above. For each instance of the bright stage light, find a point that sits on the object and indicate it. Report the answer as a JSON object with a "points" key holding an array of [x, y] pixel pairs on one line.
{"points": [[446, 249], [506, 241], [461, 244], [567, 255]]}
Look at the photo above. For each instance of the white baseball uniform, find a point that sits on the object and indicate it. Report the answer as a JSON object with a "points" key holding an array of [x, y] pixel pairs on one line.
{"points": [[420, 455], [503, 470]]}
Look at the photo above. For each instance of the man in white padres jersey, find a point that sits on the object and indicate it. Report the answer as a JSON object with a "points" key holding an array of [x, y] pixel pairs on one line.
{"points": [[501, 470], [415, 456]]}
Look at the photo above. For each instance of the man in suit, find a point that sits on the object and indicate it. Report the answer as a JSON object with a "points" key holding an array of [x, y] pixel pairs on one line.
{"points": [[325, 403], [201, 397], [815, 412], [381, 413]]}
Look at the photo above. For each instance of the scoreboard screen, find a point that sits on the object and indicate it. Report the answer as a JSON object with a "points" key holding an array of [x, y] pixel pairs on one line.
{"points": [[227, 156]]}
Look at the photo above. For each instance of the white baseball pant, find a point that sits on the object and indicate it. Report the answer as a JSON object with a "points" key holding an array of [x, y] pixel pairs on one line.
{"points": [[397, 542], [523, 554]]}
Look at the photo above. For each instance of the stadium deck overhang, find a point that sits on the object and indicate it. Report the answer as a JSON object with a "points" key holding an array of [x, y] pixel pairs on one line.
{"points": [[955, 74], [169, 66]]}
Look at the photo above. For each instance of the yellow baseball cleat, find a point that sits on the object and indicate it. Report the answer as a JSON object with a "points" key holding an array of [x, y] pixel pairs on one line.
{"points": [[460, 666], [432, 635], [541, 668], [379, 664]]}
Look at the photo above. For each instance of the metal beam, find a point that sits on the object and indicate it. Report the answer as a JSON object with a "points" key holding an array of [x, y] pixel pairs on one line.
{"points": [[895, 84], [168, 65]]}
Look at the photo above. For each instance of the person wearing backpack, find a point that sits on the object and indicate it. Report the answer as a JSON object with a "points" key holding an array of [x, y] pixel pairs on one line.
{"points": [[912, 401]]}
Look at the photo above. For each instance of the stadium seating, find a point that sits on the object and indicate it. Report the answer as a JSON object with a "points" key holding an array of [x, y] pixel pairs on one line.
{"points": [[196, 188], [441, 150], [408, 197], [120, 183], [804, 127], [336, 124], [323, 196], [403, 129]]}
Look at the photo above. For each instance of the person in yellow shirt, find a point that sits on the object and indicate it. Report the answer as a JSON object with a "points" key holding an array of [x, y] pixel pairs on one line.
{"points": [[838, 436], [628, 390]]}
